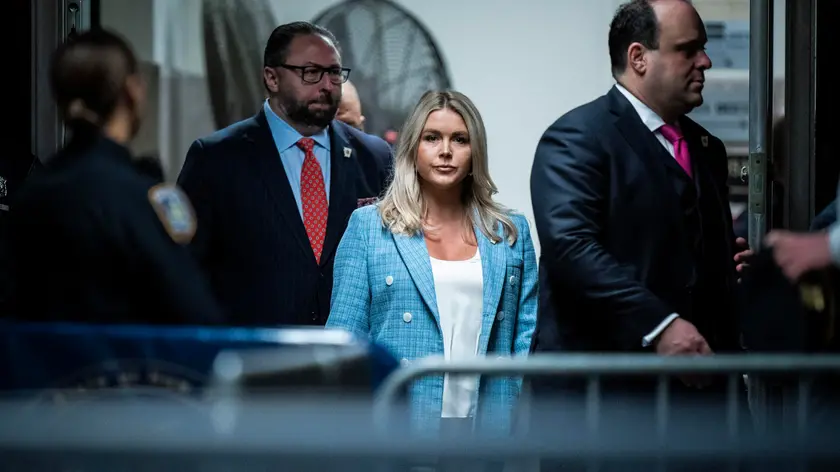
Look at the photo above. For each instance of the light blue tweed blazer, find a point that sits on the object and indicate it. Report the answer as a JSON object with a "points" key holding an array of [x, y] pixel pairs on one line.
{"points": [[384, 288]]}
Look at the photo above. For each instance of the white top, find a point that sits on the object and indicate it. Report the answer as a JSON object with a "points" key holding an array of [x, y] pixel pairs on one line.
{"points": [[459, 287]]}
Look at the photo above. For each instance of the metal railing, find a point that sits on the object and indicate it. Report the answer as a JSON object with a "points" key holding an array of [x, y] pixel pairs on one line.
{"points": [[596, 366], [296, 431]]}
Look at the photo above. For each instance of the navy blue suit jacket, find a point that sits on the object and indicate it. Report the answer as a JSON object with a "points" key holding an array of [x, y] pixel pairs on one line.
{"points": [[250, 238], [620, 224]]}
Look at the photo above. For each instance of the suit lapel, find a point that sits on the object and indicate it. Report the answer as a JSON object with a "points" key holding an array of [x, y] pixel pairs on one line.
{"points": [[493, 269], [342, 190], [415, 255], [271, 172], [660, 164], [698, 148]]}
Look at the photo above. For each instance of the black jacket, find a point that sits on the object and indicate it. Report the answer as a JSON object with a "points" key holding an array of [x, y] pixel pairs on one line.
{"points": [[94, 240], [13, 171]]}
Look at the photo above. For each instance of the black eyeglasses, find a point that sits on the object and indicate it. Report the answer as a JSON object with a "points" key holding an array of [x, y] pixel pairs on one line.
{"points": [[314, 74]]}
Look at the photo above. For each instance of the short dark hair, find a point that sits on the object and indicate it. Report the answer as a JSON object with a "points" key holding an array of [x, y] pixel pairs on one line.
{"points": [[88, 75], [277, 47], [633, 22]]}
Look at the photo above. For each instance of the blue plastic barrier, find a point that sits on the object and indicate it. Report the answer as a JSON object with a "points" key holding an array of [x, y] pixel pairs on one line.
{"points": [[68, 357]]}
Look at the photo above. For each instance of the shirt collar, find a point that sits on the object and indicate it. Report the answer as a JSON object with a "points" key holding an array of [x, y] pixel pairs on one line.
{"points": [[648, 116], [285, 136]]}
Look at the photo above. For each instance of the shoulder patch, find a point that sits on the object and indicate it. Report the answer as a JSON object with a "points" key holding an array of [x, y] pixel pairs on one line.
{"points": [[175, 212]]}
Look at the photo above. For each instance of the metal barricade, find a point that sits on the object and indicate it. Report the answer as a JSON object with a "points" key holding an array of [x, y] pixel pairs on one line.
{"points": [[596, 366], [730, 448], [316, 433]]}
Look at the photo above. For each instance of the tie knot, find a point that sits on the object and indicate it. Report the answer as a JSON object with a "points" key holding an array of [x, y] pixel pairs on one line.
{"points": [[671, 133], [306, 144]]}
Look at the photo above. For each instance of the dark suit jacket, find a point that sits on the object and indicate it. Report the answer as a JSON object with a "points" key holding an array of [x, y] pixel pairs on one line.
{"points": [[825, 218], [625, 239], [251, 239]]}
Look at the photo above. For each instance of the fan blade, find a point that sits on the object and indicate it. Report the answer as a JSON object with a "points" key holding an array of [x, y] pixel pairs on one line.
{"points": [[234, 36]]}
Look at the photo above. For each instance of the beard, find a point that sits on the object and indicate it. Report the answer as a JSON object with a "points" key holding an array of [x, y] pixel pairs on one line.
{"points": [[299, 112]]}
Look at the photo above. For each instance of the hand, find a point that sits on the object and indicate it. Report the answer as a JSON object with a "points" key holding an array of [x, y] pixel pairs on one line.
{"points": [[682, 338], [744, 254], [798, 254]]}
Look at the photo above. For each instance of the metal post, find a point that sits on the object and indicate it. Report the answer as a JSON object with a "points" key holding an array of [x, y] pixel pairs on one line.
{"points": [[761, 94], [760, 122], [800, 111], [52, 24], [47, 27]]}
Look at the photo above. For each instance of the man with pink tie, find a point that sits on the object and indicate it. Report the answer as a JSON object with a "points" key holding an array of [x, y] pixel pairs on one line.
{"points": [[631, 207]]}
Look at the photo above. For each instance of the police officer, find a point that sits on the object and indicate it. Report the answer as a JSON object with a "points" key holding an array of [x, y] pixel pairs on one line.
{"points": [[92, 237]]}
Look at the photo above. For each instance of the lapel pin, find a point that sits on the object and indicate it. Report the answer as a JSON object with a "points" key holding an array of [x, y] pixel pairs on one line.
{"points": [[348, 151], [704, 140]]}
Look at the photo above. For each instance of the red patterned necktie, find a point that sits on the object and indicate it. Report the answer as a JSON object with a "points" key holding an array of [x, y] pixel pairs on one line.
{"points": [[313, 196], [674, 136]]}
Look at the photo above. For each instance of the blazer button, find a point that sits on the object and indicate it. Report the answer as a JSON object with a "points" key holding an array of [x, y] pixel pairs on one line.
{"points": [[407, 317], [500, 315], [512, 280], [389, 280]]}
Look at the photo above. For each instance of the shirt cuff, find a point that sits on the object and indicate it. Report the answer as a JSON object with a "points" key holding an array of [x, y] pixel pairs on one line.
{"points": [[834, 242], [647, 340]]}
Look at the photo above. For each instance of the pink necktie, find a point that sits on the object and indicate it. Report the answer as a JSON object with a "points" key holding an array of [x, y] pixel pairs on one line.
{"points": [[313, 196], [675, 137]]}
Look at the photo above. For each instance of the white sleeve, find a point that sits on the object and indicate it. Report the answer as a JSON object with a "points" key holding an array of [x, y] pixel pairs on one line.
{"points": [[648, 339]]}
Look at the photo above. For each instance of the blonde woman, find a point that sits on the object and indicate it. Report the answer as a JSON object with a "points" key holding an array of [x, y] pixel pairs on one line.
{"points": [[437, 268]]}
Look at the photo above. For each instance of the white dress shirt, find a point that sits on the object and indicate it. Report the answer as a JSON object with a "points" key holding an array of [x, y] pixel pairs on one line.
{"points": [[653, 123]]}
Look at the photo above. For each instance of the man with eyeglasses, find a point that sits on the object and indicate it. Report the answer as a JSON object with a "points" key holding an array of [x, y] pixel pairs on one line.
{"points": [[274, 192]]}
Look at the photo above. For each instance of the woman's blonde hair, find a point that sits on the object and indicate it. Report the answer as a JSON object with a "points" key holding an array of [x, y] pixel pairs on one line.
{"points": [[403, 208]]}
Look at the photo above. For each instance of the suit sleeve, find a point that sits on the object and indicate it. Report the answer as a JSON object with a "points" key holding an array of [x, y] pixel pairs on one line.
{"points": [[386, 165], [178, 284], [834, 234], [721, 176], [825, 218], [570, 186], [526, 321], [350, 304], [193, 180]]}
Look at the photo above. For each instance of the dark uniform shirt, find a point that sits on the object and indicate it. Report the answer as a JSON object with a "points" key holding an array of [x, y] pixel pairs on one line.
{"points": [[13, 171], [93, 239]]}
